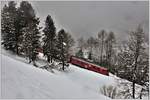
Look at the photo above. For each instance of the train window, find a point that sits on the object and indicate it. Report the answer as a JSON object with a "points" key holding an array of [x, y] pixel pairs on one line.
{"points": [[90, 65], [86, 66]]}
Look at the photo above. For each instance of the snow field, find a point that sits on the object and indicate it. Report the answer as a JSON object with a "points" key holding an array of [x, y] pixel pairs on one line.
{"points": [[23, 81]]}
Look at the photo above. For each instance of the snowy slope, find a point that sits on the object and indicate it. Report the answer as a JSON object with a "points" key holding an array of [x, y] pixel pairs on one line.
{"points": [[21, 80]]}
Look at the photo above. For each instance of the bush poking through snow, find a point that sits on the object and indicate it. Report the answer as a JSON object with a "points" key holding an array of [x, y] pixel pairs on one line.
{"points": [[109, 91]]}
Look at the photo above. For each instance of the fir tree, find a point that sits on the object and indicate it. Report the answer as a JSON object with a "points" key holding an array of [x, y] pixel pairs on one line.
{"points": [[62, 47], [9, 14], [30, 31], [49, 38]]}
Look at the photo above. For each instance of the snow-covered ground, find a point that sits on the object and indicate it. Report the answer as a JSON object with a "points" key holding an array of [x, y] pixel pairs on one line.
{"points": [[21, 80]]}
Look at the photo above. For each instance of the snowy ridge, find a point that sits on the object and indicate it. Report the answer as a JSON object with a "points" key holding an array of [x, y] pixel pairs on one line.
{"points": [[24, 81]]}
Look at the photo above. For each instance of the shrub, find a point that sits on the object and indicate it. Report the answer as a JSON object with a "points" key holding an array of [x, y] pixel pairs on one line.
{"points": [[109, 91]]}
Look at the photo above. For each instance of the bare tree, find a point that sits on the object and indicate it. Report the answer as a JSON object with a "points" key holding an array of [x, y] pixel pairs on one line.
{"points": [[133, 59], [101, 37], [92, 44], [109, 47], [81, 43]]}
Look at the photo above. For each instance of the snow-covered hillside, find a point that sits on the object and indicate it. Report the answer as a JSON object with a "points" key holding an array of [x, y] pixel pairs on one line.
{"points": [[21, 80]]}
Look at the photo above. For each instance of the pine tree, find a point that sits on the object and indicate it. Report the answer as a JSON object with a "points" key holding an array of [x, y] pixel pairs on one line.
{"points": [[49, 38], [30, 31], [9, 17], [19, 25], [62, 47]]}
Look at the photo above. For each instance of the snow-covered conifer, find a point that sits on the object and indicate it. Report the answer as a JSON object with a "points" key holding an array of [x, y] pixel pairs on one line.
{"points": [[49, 38], [30, 31], [9, 14]]}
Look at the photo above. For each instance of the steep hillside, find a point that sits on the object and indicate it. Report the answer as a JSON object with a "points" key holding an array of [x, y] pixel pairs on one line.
{"points": [[21, 80]]}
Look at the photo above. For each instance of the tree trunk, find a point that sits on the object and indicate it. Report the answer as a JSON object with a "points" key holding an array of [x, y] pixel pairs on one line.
{"points": [[133, 90], [99, 56], [136, 58], [16, 46], [17, 36], [63, 66], [48, 59], [141, 93], [30, 60], [102, 49], [17, 51], [62, 46], [51, 49], [51, 59]]}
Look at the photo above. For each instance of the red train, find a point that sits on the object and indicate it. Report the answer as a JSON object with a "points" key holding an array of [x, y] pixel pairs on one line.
{"points": [[88, 65]]}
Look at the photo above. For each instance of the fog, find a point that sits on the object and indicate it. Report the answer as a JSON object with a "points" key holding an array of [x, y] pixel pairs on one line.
{"points": [[87, 18]]}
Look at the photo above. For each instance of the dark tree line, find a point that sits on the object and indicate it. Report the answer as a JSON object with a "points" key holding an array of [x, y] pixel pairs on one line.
{"points": [[20, 31], [21, 34]]}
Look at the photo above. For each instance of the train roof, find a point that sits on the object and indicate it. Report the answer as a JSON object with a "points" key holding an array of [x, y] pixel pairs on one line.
{"points": [[89, 62]]}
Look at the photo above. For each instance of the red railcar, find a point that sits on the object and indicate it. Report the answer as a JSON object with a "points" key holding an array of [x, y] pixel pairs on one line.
{"points": [[88, 65]]}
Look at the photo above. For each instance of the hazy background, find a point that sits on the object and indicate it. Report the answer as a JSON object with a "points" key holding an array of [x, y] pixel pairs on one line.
{"points": [[87, 18]]}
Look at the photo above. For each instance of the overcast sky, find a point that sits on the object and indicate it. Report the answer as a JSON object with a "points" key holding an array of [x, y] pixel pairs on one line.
{"points": [[87, 18]]}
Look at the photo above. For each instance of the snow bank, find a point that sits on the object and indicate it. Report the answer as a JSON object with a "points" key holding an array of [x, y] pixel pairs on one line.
{"points": [[23, 81]]}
